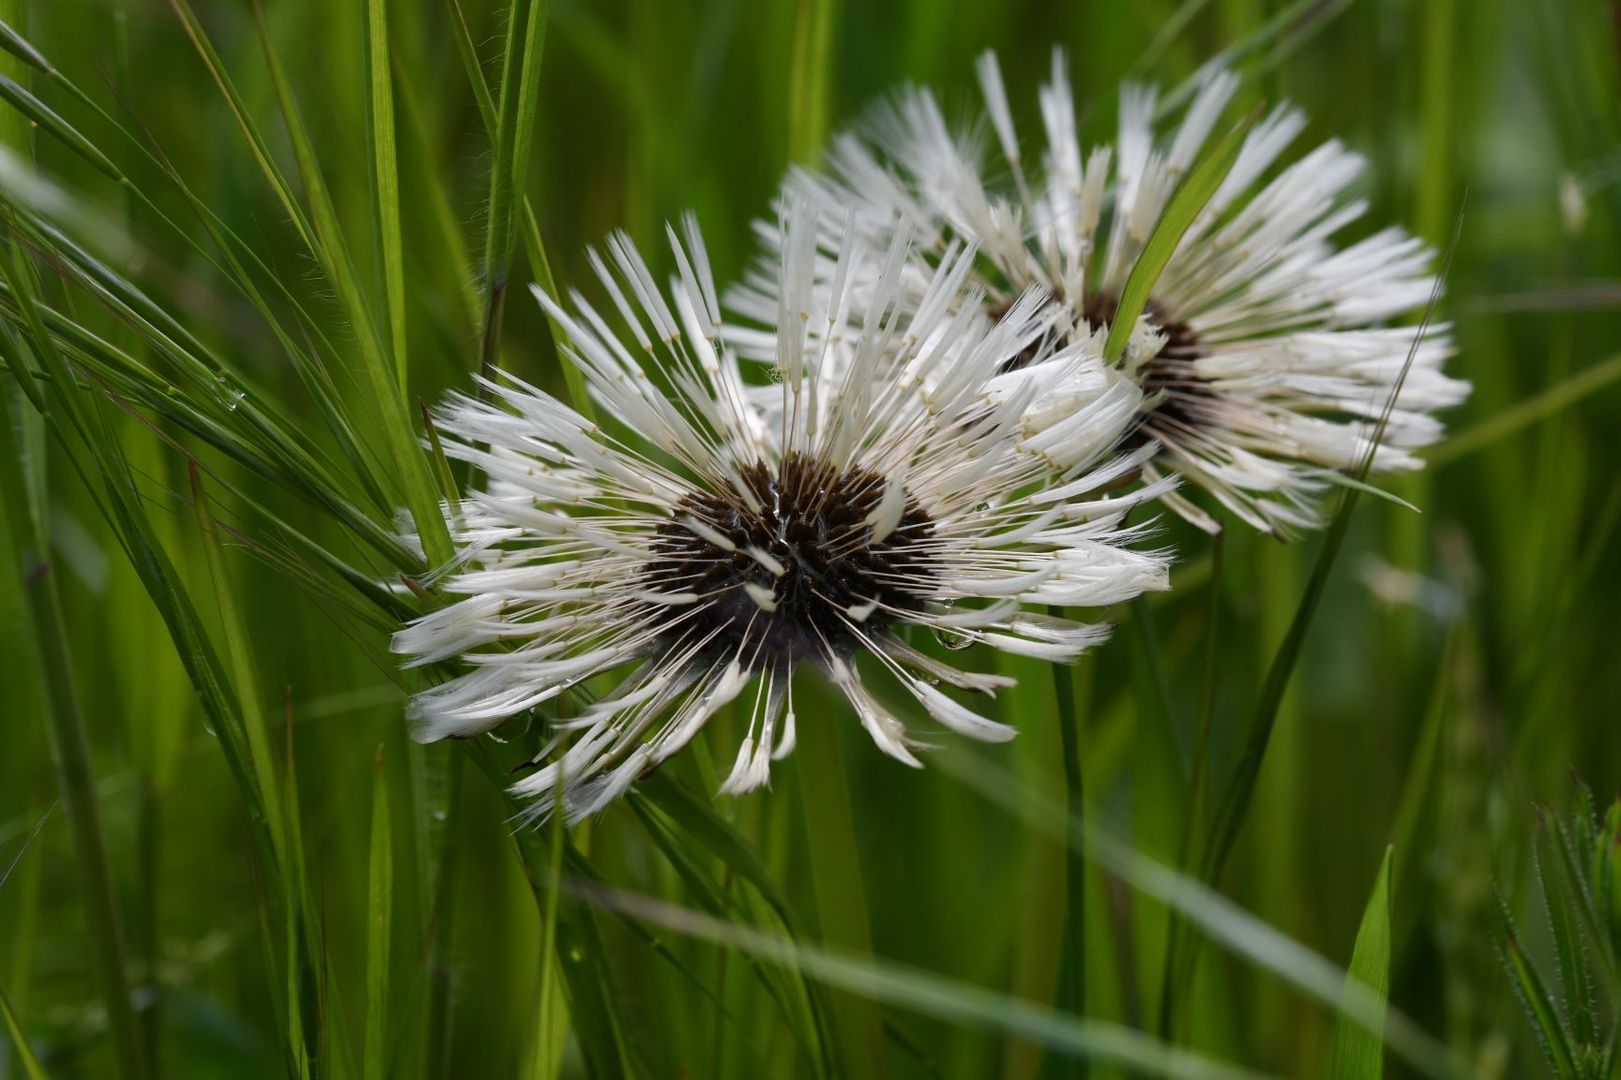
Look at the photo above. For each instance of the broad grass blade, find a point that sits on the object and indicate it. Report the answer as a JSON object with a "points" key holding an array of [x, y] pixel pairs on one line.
{"points": [[1184, 208], [1359, 1052]]}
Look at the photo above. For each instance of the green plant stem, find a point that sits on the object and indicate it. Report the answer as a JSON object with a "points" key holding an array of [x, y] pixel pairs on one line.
{"points": [[1072, 990], [442, 927], [1193, 817], [71, 755], [841, 900]]}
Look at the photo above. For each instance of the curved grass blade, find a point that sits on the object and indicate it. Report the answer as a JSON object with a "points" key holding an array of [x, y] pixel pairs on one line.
{"points": [[1234, 804], [1359, 1052], [238, 650], [924, 992]]}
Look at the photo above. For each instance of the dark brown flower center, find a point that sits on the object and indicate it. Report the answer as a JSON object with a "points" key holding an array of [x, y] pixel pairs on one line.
{"points": [[823, 575]]}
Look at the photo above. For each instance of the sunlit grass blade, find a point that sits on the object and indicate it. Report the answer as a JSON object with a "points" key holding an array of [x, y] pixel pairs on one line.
{"points": [[1359, 1051], [379, 920], [956, 1002]]}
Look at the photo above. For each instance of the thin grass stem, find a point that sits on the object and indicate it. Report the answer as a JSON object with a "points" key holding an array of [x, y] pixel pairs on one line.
{"points": [[1072, 990]]}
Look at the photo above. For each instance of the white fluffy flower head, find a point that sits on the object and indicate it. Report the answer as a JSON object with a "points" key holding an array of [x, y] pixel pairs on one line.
{"points": [[1263, 355], [711, 537]]}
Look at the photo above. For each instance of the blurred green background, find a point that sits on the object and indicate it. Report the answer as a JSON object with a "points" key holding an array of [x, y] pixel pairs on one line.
{"points": [[1462, 666]]}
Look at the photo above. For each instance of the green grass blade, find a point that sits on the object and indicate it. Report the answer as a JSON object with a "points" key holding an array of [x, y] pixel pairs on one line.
{"points": [[594, 1006], [838, 882], [70, 750], [386, 179], [475, 71], [1193, 814], [1072, 973], [407, 460], [1534, 998], [238, 650], [956, 1002], [31, 1067], [1234, 804], [549, 1042], [809, 78], [244, 120], [17, 46], [1506, 423], [515, 122], [1194, 193], [447, 226], [1359, 1053], [52, 124], [379, 919], [1204, 909]]}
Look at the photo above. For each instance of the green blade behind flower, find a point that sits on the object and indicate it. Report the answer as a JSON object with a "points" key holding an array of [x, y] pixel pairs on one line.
{"points": [[1192, 196]]}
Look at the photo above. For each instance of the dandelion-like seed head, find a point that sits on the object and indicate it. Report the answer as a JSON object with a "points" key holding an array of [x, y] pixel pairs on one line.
{"points": [[1263, 354], [712, 537]]}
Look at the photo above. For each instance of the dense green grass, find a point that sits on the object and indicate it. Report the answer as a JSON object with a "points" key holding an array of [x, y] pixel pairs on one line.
{"points": [[296, 888]]}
